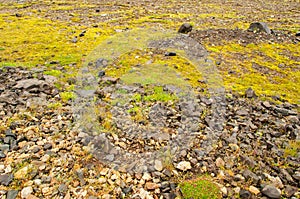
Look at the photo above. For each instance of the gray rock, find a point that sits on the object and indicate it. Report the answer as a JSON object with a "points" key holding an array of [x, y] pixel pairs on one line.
{"points": [[2, 155], [250, 93], [12, 194], [290, 191], [62, 188], [6, 179], [271, 191], [249, 175], [185, 28], [244, 194], [259, 27]]}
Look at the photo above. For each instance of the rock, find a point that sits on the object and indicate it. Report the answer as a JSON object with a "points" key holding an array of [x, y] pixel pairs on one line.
{"points": [[12, 194], [2, 155], [29, 84], [146, 176], [6, 179], [62, 188], [220, 162], [254, 190], [297, 175], [271, 191], [249, 93], [74, 40], [22, 173], [184, 166], [297, 34], [290, 191], [249, 175], [47, 146], [151, 186], [158, 165], [170, 54], [244, 194], [30, 196], [185, 28], [224, 191], [26, 192], [259, 27]]}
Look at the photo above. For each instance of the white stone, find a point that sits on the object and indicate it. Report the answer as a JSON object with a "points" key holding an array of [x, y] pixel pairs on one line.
{"points": [[184, 166], [220, 162], [158, 165], [26, 191], [146, 176]]}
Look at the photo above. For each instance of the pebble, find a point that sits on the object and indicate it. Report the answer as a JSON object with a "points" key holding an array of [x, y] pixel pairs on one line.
{"points": [[26, 192], [220, 162], [254, 190], [151, 186], [12, 194], [184, 166], [158, 165], [6, 179]]}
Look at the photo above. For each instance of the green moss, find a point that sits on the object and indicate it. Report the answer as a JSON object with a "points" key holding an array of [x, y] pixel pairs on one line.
{"points": [[66, 96], [257, 66], [293, 149], [55, 73], [200, 188], [159, 95]]}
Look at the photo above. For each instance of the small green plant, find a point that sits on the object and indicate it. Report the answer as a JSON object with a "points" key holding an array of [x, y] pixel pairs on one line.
{"points": [[55, 73], [293, 149], [200, 188], [54, 105], [160, 95], [66, 96]]}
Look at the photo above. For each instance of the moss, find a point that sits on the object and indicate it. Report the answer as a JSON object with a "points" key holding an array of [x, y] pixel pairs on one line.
{"points": [[293, 149], [257, 66], [201, 188], [55, 73], [66, 96]]}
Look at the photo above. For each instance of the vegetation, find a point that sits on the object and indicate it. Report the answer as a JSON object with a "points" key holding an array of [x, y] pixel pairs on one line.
{"points": [[200, 188]]}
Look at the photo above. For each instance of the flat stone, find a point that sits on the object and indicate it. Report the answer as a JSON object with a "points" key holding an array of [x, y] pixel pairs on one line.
{"points": [[158, 165], [290, 191], [12, 194], [184, 166], [22, 173], [26, 192], [30, 196], [151, 186], [6, 179], [254, 190], [220, 162], [271, 191]]}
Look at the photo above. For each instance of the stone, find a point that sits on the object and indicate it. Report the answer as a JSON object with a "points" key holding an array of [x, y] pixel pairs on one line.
{"points": [[254, 190], [224, 191], [6, 179], [12, 194], [250, 93], [185, 28], [158, 165], [249, 175], [62, 188], [26, 191], [151, 186], [146, 176], [220, 162], [259, 27], [184, 166], [244, 194], [2, 155], [271, 191], [22, 173], [30, 196], [289, 191]]}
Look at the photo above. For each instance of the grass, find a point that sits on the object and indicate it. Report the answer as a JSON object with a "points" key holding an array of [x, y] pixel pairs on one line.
{"points": [[293, 149], [200, 188]]}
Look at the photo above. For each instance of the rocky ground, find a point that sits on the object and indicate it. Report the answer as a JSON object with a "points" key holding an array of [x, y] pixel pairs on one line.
{"points": [[247, 146]]}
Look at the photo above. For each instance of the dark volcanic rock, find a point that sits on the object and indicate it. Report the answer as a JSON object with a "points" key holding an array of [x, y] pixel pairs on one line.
{"points": [[185, 28], [271, 191], [259, 27], [244, 194]]}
